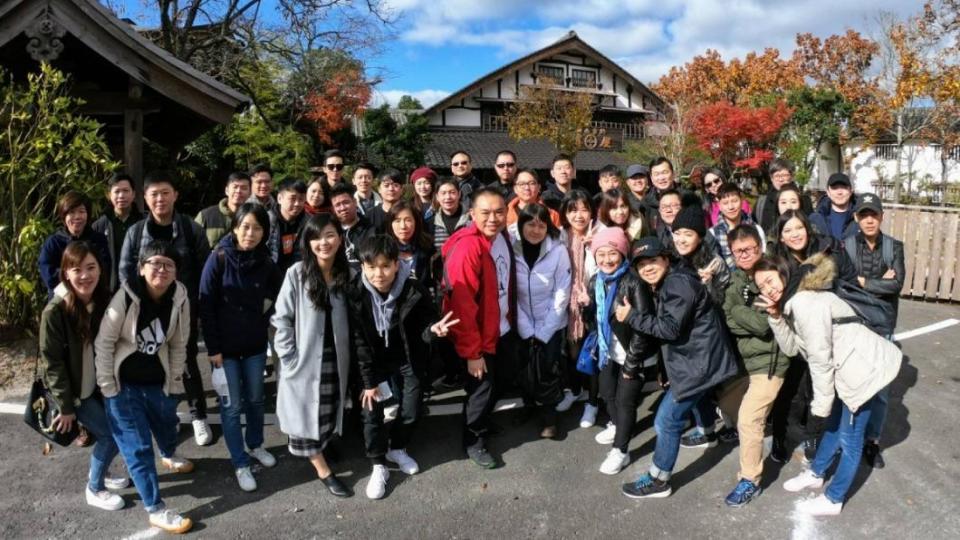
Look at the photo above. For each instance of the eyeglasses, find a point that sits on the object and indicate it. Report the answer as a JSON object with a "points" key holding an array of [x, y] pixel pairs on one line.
{"points": [[743, 252], [506, 165], [161, 266], [335, 166], [459, 163], [674, 206], [391, 185], [525, 184]]}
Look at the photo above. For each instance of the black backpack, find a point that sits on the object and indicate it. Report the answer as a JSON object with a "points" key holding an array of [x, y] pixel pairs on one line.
{"points": [[872, 312]]}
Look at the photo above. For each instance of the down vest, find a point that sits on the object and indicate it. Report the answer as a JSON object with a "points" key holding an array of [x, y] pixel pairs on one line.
{"points": [[846, 360], [543, 291]]}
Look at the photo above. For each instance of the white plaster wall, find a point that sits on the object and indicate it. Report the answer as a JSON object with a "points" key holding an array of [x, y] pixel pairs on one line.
{"points": [[922, 161]]}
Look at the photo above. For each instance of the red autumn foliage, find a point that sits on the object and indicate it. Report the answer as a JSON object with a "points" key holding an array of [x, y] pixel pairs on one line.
{"points": [[331, 106], [739, 137]]}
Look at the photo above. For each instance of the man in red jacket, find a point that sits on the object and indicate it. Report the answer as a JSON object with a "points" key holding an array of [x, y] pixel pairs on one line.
{"points": [[480, 291]]}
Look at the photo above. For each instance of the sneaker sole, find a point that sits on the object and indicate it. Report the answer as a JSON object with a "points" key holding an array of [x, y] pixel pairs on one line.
{"points": [[107, 508], [179, 470], [613, 473], [801, 488], [187, 525], [658, 495], [705, 445]]}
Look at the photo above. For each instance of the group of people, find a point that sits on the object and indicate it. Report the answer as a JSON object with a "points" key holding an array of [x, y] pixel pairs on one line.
{"points": [[365, 297]]}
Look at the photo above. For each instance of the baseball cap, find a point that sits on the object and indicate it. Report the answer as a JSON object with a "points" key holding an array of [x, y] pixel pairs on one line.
{"points": [[646, 247], [838, 179], [869, 201], [638, 170]]}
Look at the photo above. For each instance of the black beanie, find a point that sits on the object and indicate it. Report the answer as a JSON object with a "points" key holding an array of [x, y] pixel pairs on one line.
{"points": [[690, 217]]}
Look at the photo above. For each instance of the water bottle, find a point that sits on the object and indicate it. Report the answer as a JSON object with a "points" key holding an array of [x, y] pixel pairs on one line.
{"points": [[219, 379]]}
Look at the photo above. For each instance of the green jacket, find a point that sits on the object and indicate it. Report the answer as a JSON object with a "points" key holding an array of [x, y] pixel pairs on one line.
{"points": [[758, 348], [61, 355], [217, 221]]}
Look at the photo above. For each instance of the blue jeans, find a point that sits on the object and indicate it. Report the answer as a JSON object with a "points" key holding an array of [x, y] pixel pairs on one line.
{"points": [[844, 434], [669, 424], [91, 414], [245, 386], [138, 414], [704, 416]]}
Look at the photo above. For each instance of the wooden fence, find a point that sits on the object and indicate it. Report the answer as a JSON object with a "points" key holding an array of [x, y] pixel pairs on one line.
{"points": [[931, 249]]}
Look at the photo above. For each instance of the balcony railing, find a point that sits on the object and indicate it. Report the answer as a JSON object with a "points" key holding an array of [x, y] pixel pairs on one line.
{"points": [[630, 131]]}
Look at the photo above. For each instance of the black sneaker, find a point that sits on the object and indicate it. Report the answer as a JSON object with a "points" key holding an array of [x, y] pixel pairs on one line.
{"points": [[447, 384], [871, 454], [698, 440], [779, 453], [728, 435], [647, 487], [481, 457]]}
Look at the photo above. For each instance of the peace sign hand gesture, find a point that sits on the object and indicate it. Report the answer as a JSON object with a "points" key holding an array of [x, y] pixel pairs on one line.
{"points": [[441, 328]]}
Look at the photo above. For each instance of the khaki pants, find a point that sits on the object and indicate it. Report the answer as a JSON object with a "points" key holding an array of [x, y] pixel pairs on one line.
{"points": [[756, 405], [730, 394]]}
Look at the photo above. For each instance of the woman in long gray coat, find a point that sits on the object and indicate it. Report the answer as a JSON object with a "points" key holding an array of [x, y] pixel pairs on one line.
{"points": [[313, 341]]}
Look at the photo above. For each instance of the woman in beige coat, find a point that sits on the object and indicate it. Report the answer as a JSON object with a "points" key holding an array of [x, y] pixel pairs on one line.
{"points": [[847, 361]]}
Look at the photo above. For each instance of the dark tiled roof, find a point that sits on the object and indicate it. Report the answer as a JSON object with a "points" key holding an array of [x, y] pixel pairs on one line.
{"points": [[484, 145]]}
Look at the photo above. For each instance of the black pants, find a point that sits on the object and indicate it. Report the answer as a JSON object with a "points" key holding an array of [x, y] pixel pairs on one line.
{"points": [[621, 398], [575, 380], [406, 385], [192, 381], [482, 394], [790, 409], [552, 350]]}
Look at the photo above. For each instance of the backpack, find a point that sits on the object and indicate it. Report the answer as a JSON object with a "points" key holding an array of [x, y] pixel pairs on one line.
{"points": [[886, 251], [872, 312], [185, 226]]}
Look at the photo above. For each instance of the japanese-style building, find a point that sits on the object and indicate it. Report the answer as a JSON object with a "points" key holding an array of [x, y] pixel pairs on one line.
{"points": [[132, 86], [472, 118]]}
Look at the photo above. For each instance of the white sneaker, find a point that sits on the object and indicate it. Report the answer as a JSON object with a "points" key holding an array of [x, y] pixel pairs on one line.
{"points": [[819, 506], [589, 417], [568, 400], [403, 460], [245, 479], [614, 462], [804, 480], [201, 433], [170, 521], [607, 435], [177, 464], [390, 412], [265, 458], [115, 484], [104, 500], [377, 485]]}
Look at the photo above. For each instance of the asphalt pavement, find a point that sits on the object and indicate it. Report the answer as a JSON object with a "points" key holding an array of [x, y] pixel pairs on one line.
{"points": [[545, 488]]}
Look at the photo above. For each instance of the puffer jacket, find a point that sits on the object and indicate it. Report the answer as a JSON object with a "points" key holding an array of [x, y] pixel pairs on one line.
{"points": [[237, 292], [846, 359], [117, 339], [543, 292], [697, 352], [216, 221], [749, 327], [643, 351]]}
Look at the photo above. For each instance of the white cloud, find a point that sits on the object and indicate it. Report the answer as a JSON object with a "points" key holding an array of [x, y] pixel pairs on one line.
{"points": [[425, 97]]}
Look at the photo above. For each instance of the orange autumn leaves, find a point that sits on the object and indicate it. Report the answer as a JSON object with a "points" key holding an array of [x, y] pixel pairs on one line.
{"points": [[331, 105]]}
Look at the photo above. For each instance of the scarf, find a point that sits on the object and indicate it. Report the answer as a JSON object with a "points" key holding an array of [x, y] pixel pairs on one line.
{"points": [[383, 308], [604, 306], [578, 249]]}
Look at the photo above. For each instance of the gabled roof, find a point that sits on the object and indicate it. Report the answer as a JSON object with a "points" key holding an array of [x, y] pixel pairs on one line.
{"points": [[118, 43], [483, 148], [567, 43]]}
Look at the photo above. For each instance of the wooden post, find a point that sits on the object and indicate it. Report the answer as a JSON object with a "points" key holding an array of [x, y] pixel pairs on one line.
{"points": [[133, 138]]}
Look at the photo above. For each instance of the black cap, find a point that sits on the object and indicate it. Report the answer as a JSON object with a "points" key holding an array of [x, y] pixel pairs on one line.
{"points": [[838, 179], [646, 247], [638, 170], [691, 217], [869, 201]]}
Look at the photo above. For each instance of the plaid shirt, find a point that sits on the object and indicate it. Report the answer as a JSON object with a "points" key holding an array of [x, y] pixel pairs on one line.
{"points": [[720, 230]]}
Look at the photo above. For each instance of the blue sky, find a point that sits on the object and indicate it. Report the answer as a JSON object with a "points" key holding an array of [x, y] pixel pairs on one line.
{"points": [[442, 45]]}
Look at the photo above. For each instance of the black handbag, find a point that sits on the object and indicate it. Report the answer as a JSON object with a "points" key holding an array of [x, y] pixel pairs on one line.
{"points": [[42, 408], [542, 377]]}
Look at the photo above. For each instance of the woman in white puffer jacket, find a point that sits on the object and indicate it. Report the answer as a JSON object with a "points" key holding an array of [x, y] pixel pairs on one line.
{"points": [[848, 362], [543, 292]]}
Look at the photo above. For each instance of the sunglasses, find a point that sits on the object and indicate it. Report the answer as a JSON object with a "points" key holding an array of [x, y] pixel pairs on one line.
{"points": [[335, 167], [506, 165], [714, 183], [460, 163]]}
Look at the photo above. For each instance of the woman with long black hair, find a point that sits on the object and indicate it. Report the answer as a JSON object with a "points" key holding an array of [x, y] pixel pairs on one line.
{"points": [[314, 343]]}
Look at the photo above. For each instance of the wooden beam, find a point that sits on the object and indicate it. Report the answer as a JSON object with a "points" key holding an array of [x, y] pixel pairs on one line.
{"points": [[133, 139]]}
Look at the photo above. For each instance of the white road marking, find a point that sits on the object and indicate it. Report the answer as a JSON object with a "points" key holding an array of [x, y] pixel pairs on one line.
{"points": [[804, 525], [12, 408], [925, 329], [144, 534]]}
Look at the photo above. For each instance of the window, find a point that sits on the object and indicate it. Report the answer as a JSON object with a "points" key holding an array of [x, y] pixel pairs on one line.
{"points": [[583, 78], [555, 72]]}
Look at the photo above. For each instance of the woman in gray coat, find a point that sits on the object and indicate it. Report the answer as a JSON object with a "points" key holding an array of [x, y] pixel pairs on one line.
{"points": [[314, 343]]}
